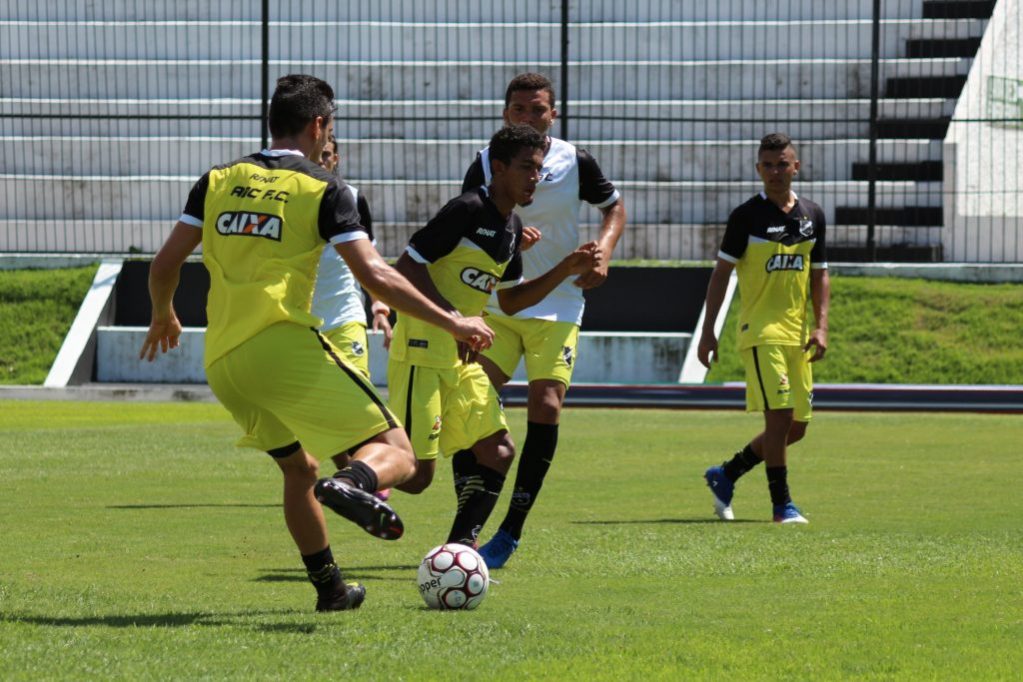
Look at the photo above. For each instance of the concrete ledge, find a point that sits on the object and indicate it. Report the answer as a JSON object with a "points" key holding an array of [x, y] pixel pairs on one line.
{"points": [[624, 357], [981, 273], [74, 362]]}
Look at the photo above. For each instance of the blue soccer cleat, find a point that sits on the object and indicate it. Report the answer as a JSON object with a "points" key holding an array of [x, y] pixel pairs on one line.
{"points": [[788, 513], [499, 549], [722, 488]]}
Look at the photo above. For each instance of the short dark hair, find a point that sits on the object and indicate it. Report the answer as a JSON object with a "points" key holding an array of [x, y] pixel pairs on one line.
{"points": [[773, 142], [529, 81], [507, 142], [298, 100]]}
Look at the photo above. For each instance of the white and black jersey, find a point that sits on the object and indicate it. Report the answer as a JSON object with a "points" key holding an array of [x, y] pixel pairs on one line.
{"points": [[337, 298], [569, 176]]}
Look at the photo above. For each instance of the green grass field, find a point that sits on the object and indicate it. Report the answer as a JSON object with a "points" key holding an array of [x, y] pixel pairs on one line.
{"points": [[137, 543], [906, 331], [37, 308]]}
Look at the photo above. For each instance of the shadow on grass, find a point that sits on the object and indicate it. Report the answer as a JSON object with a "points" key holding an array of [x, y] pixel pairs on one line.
{"points": [[160, 620], [615, 522], [194, 506], [349, 573]]}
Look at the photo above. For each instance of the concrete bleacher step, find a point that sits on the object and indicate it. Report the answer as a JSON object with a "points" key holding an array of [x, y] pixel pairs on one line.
{"points": [[944, 47], [162, 197], [639, 241], [426, 159], [650, 120], [919, 170], [958, 9], [905, 214], [420, 41], [925, 86], [787, 78], [459, 10], [913, 128]]}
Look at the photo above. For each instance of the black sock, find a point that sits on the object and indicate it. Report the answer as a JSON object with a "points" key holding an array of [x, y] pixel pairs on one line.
{"points": [[742, 462], [323, 572], [360, 475], [475, 503], [777, 483], [464, 467], [535, 460]]}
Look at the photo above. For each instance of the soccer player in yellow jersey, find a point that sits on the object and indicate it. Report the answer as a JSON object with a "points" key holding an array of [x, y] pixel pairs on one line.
{"points": [[775, 242], [469, 249], [263, 221]]}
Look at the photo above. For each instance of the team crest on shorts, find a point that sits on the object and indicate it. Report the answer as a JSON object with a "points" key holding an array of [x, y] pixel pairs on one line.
{"points": [[435, 429], [357, 348], [566, 355], [783, 384]]}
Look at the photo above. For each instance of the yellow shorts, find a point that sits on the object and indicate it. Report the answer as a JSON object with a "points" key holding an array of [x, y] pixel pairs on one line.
{"points": [[779, 378], [549, 347], [350, 338], [444, 410], [286, 384]]}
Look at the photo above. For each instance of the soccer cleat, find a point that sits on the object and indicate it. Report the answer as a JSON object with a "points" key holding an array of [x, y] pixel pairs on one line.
{"points": [[363, 509], [788, 513], [499, 549], [348, 598], [722, 488], [383, 494]]}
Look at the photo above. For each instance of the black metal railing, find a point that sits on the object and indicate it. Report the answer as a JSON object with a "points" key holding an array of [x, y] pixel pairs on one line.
{"points": [[907, 113]]}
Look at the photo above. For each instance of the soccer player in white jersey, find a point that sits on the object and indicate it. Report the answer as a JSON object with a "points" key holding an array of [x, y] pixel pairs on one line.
{"points": [[545, 334], [337, 298], [775, 242]]}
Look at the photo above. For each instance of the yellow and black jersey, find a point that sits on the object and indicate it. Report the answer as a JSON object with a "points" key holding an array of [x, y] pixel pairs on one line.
{"points": [[773, 252], [265, 218], [469, 249]]}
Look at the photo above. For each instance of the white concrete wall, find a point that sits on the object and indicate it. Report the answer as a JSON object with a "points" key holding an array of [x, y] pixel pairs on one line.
{"points": [[602, 357], [983, 158]]}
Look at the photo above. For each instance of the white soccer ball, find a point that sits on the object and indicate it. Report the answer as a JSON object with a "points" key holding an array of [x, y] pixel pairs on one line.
{"points": [[453, 576]]}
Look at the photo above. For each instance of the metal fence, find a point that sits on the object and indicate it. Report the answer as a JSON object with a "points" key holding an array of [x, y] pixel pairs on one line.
{"points": [[908, 114]]}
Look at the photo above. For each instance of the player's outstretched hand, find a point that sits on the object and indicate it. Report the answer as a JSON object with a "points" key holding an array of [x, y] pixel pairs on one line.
{"points": [[707, 351], [595, 275], [473, 332], [162, 336], [530, 236], [819, 343], [583, 260]]}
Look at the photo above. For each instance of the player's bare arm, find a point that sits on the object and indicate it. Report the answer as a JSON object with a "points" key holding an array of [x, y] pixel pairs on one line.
{"points": [[531, 292], [707, 350], [382, 320], [612, 226], [164, 273], [394, 289], [820, 294]]}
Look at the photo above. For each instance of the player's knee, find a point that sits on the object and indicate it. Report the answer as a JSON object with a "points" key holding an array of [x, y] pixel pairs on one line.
{"points": [[301, 465], [545, 403], [419, 479], [796, 432]]}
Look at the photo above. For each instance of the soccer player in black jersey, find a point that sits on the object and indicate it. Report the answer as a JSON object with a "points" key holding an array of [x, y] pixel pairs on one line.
{"points": [[471, 248], [776, 244]]}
